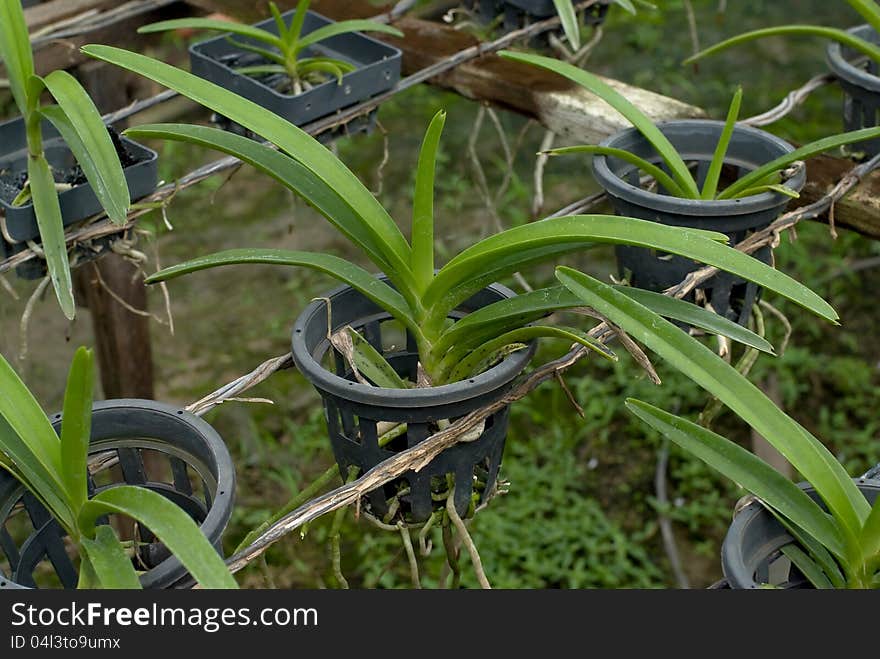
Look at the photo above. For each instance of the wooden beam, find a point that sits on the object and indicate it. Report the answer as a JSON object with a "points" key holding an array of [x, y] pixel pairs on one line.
{"points": [[122, 338], [859, 210], [64, 53], [52, 12]]}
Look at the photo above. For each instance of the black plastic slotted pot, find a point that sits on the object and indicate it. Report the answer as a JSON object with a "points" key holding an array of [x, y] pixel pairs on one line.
{"points": [[695, 140], [859, 78], [751, 552], [378, 69], [353, 410], [191, 453], [80, 201], [519, 13]]}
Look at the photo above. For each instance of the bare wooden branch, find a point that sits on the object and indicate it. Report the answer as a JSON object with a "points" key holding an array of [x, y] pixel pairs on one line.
{"points": [[242, 384], [770, 235]]}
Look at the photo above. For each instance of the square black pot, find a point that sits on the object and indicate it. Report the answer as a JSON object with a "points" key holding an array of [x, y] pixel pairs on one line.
{"points": [[518, 13], [77, 203], [860, 82], [378, 69]]}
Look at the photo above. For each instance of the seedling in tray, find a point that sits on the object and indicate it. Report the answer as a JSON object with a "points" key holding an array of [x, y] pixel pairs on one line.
{"points": [[285, 55]]}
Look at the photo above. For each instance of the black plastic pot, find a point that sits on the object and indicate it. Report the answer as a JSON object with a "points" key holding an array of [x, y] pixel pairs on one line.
{"points": [[35, 268], [751, 553], [353, 410], [695, 140], [544, 9], [859, 78], [198, 476], [77, 203], [519, 13], [378, 69]]}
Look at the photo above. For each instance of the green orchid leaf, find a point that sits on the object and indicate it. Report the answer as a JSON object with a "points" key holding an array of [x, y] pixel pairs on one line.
{"points": [[15, 51], [344, 27], [177, 531], [770, 187], [515, 261], [76, 427], [815, 549], [31, 445], [345, 66], [841, 36], [710, 186], [745, 469], [284, 33], [570, 24], [18, 458], [868, 10], [263, 69], [79, 123], [870, 535], [335, 69], [807, 566], [649, 168], [423, 205], [373, 365], [292, 140], [465, 366], [814, 148], [213, 24], [696, 316], [48, 211], [265, 53], [719, 378], [88, 580], [578, 229], [290, 173], [111, 567], [296, 24], [504, 315], [355, 276], [615, 99]]}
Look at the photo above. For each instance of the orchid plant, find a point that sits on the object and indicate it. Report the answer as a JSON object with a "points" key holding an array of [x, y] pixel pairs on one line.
{"points": [[680, 181], [55, 469], [419, 297], [285, 53], [78, 121]]}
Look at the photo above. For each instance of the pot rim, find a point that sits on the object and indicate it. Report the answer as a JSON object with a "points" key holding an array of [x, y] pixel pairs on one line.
{"points": [[328, 382], [616, 186], [844, 69], [733, 559], [218, 515]]}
